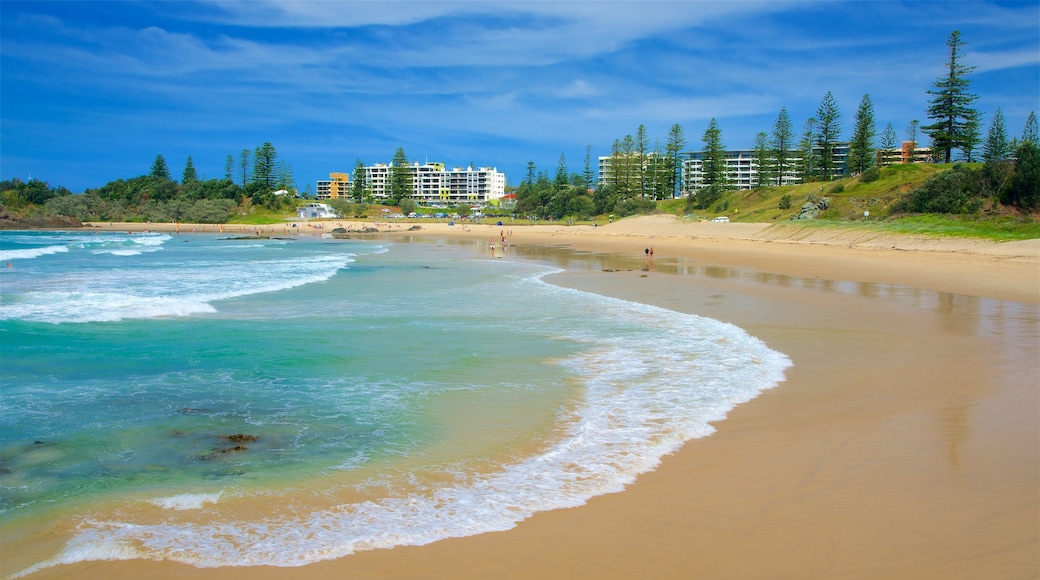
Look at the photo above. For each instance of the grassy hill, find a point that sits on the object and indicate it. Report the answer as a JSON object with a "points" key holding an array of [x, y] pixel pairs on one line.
{"points": [[850, 198]]}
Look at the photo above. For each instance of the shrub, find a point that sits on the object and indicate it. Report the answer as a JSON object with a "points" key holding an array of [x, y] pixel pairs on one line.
{"points": [[785, 201], [870, 174]]}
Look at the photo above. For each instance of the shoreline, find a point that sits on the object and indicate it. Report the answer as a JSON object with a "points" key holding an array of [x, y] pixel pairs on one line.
{"points": [[902, 443]]}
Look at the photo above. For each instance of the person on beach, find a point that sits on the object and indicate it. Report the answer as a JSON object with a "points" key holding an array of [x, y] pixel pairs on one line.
{"points": [[650, 257]]}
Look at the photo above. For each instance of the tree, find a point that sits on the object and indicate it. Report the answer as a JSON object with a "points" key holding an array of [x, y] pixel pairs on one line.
{"points": [[888, 138], [763, 159], [714, 155], [1025, 185], [264, 163], [400, 177], [357, 191], [783, 143], [996, 146], [159, 168], [861, 148], [951, 103], [641, 146], [828, 133], [673, 150], [1030, 132], [531, 170], [807, 150], [190, 175], [243, 163], [561, 173], [971, 138], [911, 136], [229, 165], [587, 175]]}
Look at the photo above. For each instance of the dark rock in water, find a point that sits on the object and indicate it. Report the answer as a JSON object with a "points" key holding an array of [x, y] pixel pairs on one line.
{"points": [[339, 230], [192, 411], [218, 452], [414, 228], [240, 437]]}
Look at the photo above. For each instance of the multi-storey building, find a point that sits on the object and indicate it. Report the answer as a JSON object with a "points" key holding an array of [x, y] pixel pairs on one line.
{"points": [[742, 169], [908, 153], [432, 183], [336, 186]]}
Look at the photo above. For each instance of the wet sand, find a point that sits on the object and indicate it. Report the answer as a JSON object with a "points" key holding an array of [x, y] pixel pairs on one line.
{"points": [[905, 442]]}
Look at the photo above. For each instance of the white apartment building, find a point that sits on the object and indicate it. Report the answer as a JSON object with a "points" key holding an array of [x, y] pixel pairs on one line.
{"points": [[742, 169], [432, 183]]}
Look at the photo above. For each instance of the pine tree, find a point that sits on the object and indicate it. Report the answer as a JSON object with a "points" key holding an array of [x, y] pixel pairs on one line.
{"points": [[783, 144], [189, 175], [243, 163], [641, 147], [561, 173], [587, 175], [1029, 133], [763, 159], [229, 165], [265, 160], [673, 150], [996, 146], [714, 155], [911, 136], [861, 148], [159, 168], [971, 138], [357, 192], [828, 133], [400, 178], [951, 105], [808, 151]]}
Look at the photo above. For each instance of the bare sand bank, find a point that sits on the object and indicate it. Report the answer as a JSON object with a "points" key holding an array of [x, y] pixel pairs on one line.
{"points": [[905, 442]]}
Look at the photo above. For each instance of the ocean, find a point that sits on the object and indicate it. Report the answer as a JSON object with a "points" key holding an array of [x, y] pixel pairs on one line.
{"points": [[228, 402]]}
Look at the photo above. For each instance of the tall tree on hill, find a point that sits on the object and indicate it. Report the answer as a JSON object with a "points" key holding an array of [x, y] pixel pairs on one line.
{"points": [[190, 175], [357, 189], [229, 165], [861, 148], [888, 137], [673, 150], [159, 168], [783, 144], [996, 146], [714, 155], [1030, 133], [400, 178], [763, 155], [531, 171], [264, 162], [828, 133], [243, 164], [807, 150], [951, 103]]}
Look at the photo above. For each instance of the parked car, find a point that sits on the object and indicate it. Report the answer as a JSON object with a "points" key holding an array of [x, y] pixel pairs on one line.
{"points": [[721, 219]]}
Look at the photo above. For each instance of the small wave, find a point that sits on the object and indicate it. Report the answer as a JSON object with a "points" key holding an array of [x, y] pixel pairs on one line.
{"points": [[29, 253], [58, 307], [186, 501]]}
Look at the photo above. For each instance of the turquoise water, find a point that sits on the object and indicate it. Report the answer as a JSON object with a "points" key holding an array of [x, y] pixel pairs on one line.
{"points": [[390, 394]]}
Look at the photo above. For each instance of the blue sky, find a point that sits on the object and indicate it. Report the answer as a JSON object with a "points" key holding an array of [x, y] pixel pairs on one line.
{"points": [[92, 91]]}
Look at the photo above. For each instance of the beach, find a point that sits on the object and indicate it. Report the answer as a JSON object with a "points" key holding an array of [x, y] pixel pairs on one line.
{"points": [[903, 443]]}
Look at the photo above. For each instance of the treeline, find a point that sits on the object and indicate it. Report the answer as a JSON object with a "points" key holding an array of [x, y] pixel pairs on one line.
{"points": [[157, 197]]}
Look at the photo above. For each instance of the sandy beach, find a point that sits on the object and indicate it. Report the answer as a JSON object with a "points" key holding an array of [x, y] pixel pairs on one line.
{"points": [[904, 443]]}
